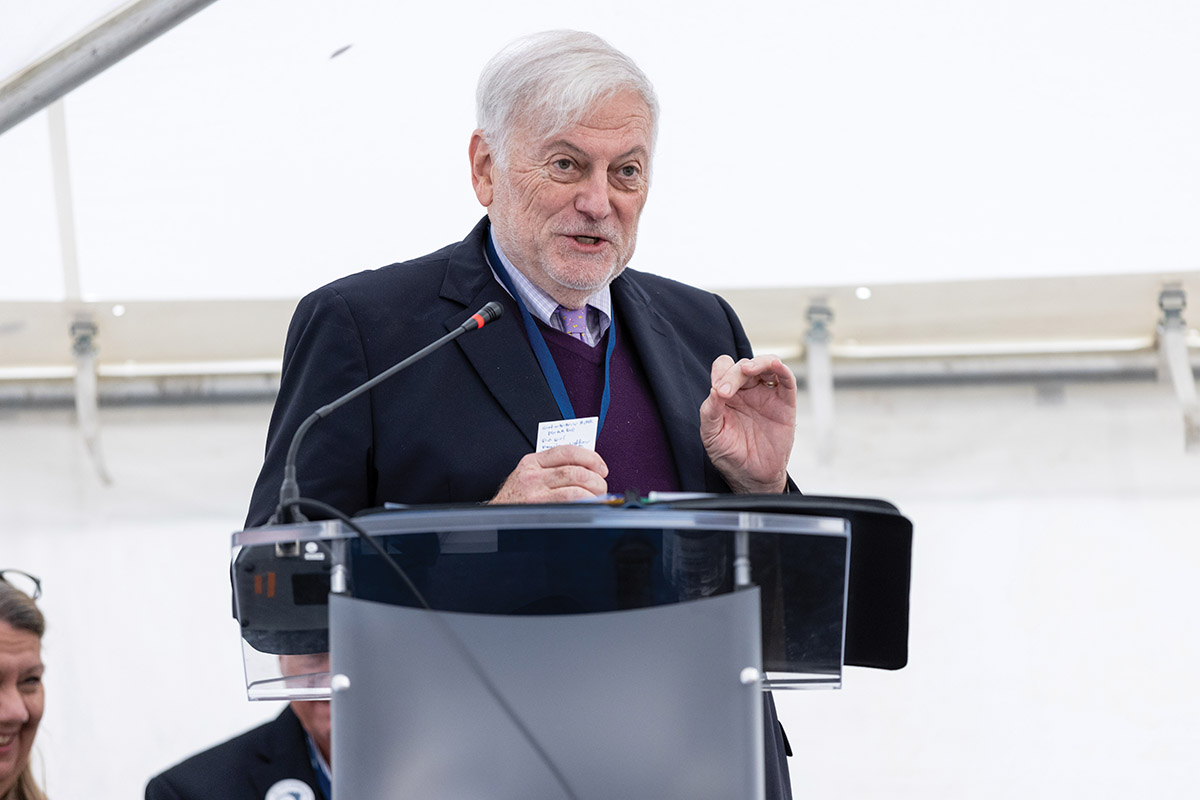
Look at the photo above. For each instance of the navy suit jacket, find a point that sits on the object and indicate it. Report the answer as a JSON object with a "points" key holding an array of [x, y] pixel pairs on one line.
{"points": [[451, 428], [243, 768]]}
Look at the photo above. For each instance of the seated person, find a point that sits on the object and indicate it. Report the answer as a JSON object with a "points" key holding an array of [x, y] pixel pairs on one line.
{"points": [[21, 694], [287, 758]]}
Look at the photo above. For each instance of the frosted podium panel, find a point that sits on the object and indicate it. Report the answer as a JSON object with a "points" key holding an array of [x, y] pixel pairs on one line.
{"points": [[549, 560], [588, 703]]}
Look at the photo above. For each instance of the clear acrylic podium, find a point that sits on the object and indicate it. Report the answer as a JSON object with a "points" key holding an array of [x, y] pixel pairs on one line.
{"points": [[583, 650]]}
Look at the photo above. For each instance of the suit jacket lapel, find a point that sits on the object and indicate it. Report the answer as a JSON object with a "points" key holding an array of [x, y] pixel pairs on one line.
{"points": [[500, 355], [280, 757], [678, 388]]}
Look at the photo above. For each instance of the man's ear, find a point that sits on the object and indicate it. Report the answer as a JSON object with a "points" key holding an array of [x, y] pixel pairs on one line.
{"points": [[482, 167]]}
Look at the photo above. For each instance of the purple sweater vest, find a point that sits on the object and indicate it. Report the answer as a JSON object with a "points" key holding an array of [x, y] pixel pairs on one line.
{"points": [[633, 441]]}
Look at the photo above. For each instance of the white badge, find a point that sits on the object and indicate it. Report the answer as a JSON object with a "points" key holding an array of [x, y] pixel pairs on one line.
{"points": [[580, 432], [290, 789]]}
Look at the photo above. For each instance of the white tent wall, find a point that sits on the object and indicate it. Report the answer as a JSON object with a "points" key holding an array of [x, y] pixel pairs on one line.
{"points": [[1053, 634], [1053, 629]]}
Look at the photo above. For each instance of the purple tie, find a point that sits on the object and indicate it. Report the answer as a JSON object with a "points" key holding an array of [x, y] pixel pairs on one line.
{"points": [[574, 321]]}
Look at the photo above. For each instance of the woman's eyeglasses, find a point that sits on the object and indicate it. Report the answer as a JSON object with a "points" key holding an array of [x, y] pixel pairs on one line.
{"points": [[22, 581]]}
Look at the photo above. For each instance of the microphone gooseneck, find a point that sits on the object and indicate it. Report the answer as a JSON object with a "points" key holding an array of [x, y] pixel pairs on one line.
{"points": [[289, 490]]}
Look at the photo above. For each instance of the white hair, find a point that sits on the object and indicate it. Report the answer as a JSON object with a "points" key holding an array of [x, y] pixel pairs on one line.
{"points": [[550, 80]]}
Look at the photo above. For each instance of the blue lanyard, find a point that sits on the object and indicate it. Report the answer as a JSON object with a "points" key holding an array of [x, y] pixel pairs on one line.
{"points": [[542, 352], [322, 776]]}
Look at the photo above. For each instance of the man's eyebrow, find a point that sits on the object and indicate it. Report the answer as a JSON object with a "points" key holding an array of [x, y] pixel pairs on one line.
{"points": [[563, 144]]}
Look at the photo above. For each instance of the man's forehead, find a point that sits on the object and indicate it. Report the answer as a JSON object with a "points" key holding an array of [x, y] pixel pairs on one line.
{"points": [[315, 661], [624, 114]]}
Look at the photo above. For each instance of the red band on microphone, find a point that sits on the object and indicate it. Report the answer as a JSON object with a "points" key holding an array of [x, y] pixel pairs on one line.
{"points": [[478, 320]]}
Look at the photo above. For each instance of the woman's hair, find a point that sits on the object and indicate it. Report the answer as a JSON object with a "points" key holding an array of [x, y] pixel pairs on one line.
{"points": [[19, 611], [551, 80]]}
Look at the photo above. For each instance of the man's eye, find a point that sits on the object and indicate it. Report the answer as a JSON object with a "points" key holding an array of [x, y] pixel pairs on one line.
{"points": [[630, 171], [563, 164]]}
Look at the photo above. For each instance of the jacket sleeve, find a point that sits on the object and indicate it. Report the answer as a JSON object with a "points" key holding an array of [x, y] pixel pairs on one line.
{"points": [[160, 788]]}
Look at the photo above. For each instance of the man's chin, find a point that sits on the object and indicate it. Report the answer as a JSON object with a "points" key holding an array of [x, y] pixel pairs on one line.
{"points": [[588, 276]]}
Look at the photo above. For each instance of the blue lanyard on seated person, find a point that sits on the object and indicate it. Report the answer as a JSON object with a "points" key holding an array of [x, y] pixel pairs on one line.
{"points": [[323, 777], [542, 352]]}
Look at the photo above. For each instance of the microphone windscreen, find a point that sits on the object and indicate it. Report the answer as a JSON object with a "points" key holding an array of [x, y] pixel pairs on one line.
{"points": [[491, 312]]}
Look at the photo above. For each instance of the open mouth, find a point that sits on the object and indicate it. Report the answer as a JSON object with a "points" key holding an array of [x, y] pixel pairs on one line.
{"points": [[588, 239]]}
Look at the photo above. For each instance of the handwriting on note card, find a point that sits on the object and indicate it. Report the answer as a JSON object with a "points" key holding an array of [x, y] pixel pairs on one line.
{"points": [[580, 432]]}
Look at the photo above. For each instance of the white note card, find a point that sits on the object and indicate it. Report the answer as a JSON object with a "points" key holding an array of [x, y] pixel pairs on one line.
{"points": [[580, 432]]}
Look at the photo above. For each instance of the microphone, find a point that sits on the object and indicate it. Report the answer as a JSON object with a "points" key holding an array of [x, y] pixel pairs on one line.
{"points": [[289, 490], [489, 313]]}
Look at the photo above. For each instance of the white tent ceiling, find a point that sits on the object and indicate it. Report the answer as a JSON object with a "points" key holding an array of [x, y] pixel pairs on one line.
{"points": [[33, 30], [802, 145], [261, 149]]}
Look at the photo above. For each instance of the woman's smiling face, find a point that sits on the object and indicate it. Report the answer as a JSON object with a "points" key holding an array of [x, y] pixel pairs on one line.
{"points": [[21, 700]]}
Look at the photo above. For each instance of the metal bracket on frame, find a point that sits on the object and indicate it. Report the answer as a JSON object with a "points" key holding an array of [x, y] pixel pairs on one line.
{"points": [[1176, 362], [820, 375]]}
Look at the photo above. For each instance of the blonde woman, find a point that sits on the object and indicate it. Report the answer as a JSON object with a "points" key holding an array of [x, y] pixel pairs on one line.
{"points": [[21, 695]]}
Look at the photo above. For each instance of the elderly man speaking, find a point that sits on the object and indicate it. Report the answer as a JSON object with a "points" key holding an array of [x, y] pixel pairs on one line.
{"points": [[562, 161]]}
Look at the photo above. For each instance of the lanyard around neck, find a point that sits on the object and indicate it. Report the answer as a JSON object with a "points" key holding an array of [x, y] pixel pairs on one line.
{"points": [[323, 777], [542, 352]]}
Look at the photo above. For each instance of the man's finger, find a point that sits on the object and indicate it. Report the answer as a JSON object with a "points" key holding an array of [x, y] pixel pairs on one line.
{"points": [[727, 376], [719, 367], [572, 455], [770, 371]]}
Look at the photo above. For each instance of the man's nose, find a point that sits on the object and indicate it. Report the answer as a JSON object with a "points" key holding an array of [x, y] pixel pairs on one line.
{"points": [[592, 199]]}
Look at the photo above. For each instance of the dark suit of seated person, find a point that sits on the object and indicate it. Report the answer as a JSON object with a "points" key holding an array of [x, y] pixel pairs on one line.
{"points": [[287, 758]]}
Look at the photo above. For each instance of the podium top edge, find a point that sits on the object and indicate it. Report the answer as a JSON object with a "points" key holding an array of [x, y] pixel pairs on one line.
{"points": [[424, 519]]}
